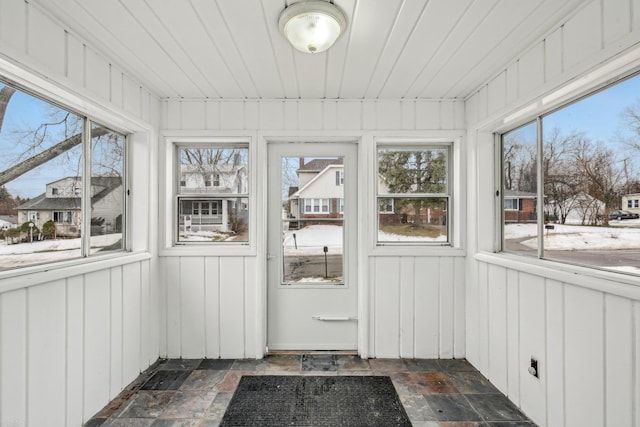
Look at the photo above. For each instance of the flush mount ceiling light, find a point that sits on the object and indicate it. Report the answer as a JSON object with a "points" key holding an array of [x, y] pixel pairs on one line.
{"points": [[312, 26]]}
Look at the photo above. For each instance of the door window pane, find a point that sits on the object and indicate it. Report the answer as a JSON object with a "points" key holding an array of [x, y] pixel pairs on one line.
{"points": [[312, 235]]}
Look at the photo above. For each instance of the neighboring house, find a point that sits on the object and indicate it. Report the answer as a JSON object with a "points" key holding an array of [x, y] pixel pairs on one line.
{"points": [[631, 202], [583, 209], [62, 199], [320, 190], [200, 209], [519, 206], [8, 221]]}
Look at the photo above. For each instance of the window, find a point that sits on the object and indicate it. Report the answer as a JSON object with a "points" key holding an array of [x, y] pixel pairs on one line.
{"points": [[575, 176], [48, 161], [339, 177], [213, 203], [316, 205], [511, 204], [413, 193]]}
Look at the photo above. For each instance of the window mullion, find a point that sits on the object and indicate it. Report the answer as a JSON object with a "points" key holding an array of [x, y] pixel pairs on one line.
{"points": [[540, 184], [86, 188]]}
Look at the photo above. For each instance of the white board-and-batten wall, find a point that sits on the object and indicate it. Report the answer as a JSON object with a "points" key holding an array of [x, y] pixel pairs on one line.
{"points": [[213, 303], [583, 327], [71, 338]]}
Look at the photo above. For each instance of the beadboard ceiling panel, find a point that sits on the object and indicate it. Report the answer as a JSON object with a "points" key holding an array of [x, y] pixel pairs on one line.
{"points": [[232, 49]]}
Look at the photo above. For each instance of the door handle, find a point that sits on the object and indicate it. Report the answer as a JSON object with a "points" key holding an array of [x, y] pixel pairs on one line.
{"points": [[334, 318], [270, 256]]}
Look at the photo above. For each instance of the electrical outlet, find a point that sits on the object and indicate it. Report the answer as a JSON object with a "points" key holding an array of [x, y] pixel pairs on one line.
{"points": [[533, 368]]}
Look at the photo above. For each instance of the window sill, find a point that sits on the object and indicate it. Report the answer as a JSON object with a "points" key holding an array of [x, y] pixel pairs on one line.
{"points": [[416, 250], [623, 285], [39, 274], [205, 250]]}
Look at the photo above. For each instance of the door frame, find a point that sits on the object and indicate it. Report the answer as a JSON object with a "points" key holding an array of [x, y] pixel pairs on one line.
{"points": [[361, 269]]}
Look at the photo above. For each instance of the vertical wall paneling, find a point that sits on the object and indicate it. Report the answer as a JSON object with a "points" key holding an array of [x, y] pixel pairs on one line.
{"points": [[212, 307], [232, 315], [580, 39], [459, 303], [497, 296], [619, 361], [116, 332], [386, 308], [426, 308], [615, 19], [132, 335], [75, 59], [407, 306], [251, 347], [192, 310], [212, 115], [96, 346], [46, 353], [584, 367], [514, 368], [193, 115], [427, 115], [13, 31], [531, 69], [13, 363], [310, 115], [587, 342], [148, 315], [46, 41], [497, 93], [446, 284], [532, 344], [553, 368], [172, 290], [482, 326], [75, 350], [97, 74]]}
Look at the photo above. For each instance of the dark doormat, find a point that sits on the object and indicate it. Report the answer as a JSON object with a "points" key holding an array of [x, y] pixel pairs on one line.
{"points": [[315, 401]]}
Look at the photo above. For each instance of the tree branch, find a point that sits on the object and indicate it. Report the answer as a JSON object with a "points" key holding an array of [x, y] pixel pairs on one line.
{"points": [[50, 153], [5, 96]]}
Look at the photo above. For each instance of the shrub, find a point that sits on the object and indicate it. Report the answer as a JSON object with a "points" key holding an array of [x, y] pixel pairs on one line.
{"points": [[25, 227], [49, 229]]}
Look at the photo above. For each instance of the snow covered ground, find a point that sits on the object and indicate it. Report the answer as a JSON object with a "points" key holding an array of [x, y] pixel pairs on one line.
{"points": [[23, 254], [579, 237], [312, 239]]}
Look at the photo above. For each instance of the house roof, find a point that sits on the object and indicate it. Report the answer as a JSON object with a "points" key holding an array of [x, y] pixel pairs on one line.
{"points": [[315, 178], [44, 203], [9, 218], [317, 165]]}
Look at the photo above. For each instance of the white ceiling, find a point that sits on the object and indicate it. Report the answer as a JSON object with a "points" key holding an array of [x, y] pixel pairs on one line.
{"points": [[233, 48]]}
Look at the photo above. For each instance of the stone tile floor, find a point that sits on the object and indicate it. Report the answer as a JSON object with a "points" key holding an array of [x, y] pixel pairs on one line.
{"points": [[195, 392]]}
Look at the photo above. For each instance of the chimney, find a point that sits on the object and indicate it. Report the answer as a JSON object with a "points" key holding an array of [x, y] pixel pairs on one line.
{"points": [[301, 162]]}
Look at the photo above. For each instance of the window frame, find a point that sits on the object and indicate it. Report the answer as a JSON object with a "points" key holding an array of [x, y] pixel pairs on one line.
{"points": [[535, 114], [172, 244], [453, 158], [52, 95]]}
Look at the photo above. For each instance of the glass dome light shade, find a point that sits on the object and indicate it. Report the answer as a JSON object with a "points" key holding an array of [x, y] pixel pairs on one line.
{"points": [[312, 26]]}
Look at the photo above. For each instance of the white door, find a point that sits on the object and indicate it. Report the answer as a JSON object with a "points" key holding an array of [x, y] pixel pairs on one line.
{"points": [[312, 299]]}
